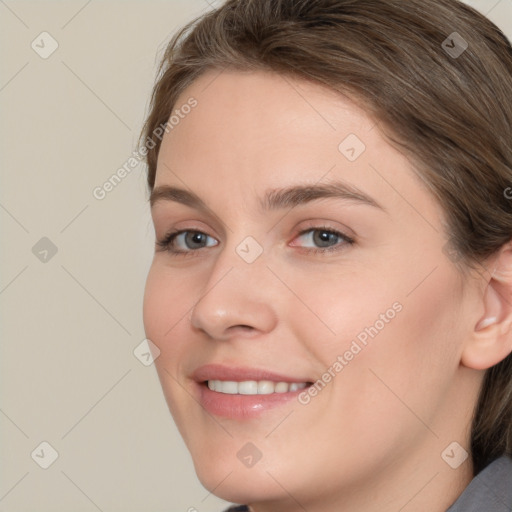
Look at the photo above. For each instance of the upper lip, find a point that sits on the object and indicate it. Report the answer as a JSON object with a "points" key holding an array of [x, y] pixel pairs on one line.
{"points": [[240, 374]]}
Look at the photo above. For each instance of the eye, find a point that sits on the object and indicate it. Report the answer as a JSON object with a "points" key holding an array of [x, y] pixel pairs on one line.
{"points": [[326, 238], [191, 239]]}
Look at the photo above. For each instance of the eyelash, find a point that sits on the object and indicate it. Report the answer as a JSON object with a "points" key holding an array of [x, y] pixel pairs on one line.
{"points": [[166, 243]]}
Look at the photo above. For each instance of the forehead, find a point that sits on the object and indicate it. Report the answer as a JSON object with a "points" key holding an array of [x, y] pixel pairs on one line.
{"points": [[258, 131], [262, 102], [262, 123]]}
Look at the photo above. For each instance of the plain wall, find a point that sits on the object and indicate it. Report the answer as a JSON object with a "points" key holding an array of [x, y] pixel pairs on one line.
{"points": [[70, 321]]}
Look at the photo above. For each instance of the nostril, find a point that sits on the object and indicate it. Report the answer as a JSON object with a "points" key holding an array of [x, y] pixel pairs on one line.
{"points": [[243, 327]]}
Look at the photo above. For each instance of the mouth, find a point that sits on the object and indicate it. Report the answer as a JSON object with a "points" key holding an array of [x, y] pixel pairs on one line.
{"points": [[243, 393], [253, 387]]}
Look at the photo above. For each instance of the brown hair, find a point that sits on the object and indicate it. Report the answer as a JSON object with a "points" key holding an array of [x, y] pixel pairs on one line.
{"points": [[443, 99]]}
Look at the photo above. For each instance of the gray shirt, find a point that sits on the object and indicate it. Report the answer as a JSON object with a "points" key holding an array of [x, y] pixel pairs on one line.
{"points": [[489, 491]]}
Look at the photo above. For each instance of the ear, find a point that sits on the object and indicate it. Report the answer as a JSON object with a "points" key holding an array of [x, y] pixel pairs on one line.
{"points": [[491, 339]]}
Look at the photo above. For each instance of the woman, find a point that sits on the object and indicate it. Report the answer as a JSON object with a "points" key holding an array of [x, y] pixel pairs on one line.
{"points": [[331, 291]]}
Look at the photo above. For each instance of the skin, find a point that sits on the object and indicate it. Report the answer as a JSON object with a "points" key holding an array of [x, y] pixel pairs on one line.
{"points": [[372, 439]]}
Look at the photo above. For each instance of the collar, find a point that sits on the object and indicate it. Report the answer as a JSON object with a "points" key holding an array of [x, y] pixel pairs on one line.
{"points": [[490, 490]]}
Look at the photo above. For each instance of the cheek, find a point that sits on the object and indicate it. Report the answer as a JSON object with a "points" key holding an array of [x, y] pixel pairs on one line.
{"points": [[428, 332], [405, 370], [165, 306], [399, 343], [332, 307], [166, 312]]}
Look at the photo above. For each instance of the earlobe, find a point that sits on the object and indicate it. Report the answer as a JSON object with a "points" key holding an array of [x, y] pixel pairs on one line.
{"points": [[491, 340]]}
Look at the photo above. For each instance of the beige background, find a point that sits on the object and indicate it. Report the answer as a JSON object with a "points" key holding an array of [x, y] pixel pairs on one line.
{"points": [[70, 324]]}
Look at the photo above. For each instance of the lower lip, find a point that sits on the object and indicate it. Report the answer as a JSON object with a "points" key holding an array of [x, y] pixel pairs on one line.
{"points": [[242, 406]]}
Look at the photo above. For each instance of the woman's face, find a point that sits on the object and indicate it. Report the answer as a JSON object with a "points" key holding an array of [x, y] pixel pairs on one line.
{"points": [[345, 285]]}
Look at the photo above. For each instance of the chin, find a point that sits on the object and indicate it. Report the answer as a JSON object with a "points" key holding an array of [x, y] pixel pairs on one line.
{"points": [[243, 485]]}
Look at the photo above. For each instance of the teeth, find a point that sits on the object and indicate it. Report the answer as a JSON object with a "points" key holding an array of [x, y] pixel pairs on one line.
{"points": [[265, 387], [253, 387], [248, 387], [281, 387]]}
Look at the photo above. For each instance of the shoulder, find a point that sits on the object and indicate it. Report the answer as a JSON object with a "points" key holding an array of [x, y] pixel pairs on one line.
{"points": [[490, 490]]}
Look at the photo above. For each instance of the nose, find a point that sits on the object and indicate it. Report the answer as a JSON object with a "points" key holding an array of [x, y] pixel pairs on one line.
{"points": [[235, 299]]}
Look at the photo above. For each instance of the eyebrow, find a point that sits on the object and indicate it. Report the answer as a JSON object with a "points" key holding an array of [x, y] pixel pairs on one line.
{"points": [[274, 199]]}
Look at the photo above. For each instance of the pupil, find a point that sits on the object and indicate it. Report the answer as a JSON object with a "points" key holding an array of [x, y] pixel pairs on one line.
{"points": [[196, 237], [324, 237]]}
